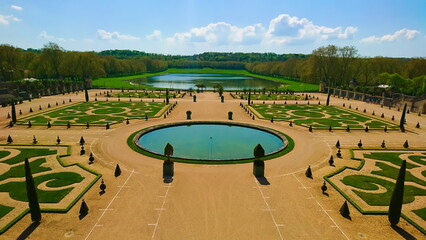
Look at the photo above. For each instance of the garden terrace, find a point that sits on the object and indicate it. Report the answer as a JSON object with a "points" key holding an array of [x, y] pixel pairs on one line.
{"points": [[320, 116], [369, 186], [97, 113], [58, 186]]}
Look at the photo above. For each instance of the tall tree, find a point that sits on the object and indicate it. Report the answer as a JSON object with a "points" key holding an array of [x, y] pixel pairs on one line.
{"points": [[13, 109], [395, 205], [32, 194], [52, 53], [402, 121]]}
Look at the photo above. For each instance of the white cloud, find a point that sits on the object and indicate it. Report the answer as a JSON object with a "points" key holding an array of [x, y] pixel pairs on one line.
{"points": [[291, 29], [284, 29], [104, 35], [5, 20], [44, 35], [156, 35], [221, 33], [17, 8], [398, 35]]}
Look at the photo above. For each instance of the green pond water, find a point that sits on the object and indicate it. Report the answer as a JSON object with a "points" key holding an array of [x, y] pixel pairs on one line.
{"points": [[210, 141], [189, 80]]}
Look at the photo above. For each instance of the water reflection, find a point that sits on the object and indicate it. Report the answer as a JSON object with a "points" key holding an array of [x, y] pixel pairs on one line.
{"points": [[189, 80]]}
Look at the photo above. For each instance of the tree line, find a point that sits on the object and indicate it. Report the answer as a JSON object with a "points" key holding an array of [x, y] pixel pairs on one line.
{"points": [[54, 62], [342, 67], [336, 66]]}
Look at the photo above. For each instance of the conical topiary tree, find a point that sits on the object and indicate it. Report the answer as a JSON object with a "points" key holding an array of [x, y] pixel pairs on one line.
{"points": [[13, 109], [58, 140], [406, 144], [9, 139], [366, 129], [396, 201], [344, 210], [402, 120], [49, 125], [117, 171], [30, 124], [383, 145], [330, 128], [338, 144], [82, 141], [308, 172], [32, 194], [418, 125], [68, 124], [310, 128], [107, 126], [84, 209]]}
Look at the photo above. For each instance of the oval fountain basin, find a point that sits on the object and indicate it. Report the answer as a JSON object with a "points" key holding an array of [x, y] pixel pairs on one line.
{"points": [[210, 140]]}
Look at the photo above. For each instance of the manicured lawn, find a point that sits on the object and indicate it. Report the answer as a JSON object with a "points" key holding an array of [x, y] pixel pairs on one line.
{"points": [[17, 190], [123, 82], [268, 96], [25, 153], [146, 94], [96, 113], [53, 180], [4, 210], [320, 116], [374, 186]]}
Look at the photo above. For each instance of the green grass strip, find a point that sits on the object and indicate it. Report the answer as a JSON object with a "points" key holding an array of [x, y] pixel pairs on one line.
{"points": [[58, 157]]}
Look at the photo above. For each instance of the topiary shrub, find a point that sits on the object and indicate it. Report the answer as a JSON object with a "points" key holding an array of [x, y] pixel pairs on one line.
{"points": [[84, 209], [82, 141], [308, 172], [331, 161], [91, 158], [117, 171], [102, 187], [344, 210], [9, 139], [32, 194], [188, 115], [406, 144], [324, 188], [396, 201], [82, 151], [338, 144], [360, 144]]}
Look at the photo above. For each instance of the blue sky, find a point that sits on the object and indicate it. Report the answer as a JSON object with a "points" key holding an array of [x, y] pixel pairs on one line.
{"points": [[393, 28]]}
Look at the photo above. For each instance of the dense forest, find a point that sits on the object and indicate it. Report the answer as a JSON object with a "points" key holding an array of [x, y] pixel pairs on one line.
{"points": [[336, 66]]}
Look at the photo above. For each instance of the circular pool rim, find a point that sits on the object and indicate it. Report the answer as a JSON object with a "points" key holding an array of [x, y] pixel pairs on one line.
{"points": [[288, 143]]}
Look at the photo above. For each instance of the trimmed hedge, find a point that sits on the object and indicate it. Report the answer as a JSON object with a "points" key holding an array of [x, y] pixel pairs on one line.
{"points": [[359, 167], [58, 158]]}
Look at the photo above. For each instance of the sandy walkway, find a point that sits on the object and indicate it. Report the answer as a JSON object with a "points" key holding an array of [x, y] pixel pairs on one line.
{"points": [[209, 201]]}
